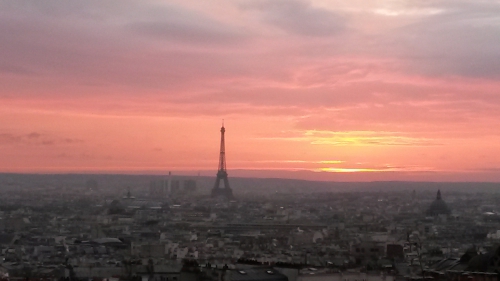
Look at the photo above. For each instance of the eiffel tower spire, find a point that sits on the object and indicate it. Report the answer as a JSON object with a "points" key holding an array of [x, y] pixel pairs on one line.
{"points": [[217, 191], [222, 156]]}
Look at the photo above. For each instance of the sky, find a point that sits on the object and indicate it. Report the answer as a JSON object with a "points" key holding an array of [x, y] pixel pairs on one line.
{"points": [[311, 89]]}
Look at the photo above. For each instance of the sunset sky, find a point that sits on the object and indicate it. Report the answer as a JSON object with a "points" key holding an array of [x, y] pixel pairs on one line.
{"points": [[352, 90]]}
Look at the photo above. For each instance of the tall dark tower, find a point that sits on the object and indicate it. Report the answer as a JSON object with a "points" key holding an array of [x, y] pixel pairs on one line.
{"points": [[217, 191]]}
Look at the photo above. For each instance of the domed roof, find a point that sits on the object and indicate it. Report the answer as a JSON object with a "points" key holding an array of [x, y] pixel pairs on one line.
{"points": [[438, 207]]}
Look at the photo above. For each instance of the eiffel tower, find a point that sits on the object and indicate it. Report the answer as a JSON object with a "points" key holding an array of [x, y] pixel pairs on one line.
{"points": [[217, 191]]}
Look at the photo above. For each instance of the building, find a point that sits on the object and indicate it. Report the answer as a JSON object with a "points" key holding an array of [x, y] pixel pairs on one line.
{"points": [[438, 207], [189, 186]]}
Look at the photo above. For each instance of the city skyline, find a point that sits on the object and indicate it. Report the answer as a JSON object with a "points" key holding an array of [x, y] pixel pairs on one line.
{"points": [[316, 90]]}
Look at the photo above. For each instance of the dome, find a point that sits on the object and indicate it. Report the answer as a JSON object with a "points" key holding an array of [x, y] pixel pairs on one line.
{"points": [[438, 207]]}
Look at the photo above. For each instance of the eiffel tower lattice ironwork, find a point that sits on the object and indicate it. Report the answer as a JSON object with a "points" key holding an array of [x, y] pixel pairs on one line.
{"points": [[217, 191]]}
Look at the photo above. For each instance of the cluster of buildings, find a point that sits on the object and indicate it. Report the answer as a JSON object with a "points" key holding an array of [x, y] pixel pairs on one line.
{"points": [[310, 236], [168, 188]]}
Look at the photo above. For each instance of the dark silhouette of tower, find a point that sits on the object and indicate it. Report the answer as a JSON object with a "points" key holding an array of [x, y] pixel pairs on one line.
{"points": [[217, 191]]}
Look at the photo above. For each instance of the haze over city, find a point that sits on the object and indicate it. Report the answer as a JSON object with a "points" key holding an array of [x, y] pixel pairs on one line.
{"points": [[317, 90]]}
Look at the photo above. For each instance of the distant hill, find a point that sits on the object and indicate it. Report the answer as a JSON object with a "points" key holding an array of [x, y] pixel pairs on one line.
{"points": [[139, 184]]}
